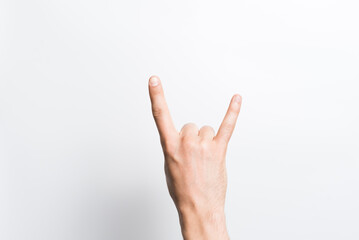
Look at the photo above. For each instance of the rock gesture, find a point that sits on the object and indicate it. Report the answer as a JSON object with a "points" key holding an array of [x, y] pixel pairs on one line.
{"points": [[195, 167]]}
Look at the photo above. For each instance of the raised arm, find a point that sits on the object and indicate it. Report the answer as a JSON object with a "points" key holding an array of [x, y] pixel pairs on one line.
{"points": [[195, 167]]}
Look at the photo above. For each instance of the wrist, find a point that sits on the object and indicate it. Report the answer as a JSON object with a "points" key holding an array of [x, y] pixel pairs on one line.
{"points": [[203, 223]]}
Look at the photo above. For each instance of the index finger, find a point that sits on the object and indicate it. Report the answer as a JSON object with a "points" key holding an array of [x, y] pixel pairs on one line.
{"points": [[229, 122], [160, 111]]}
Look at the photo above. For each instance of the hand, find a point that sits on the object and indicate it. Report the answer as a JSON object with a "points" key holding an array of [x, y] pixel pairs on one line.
{"points": [[195, 167]]}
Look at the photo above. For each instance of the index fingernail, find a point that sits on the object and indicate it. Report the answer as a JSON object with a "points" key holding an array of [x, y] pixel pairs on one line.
{"points": [[154, 81], [237, 98]]}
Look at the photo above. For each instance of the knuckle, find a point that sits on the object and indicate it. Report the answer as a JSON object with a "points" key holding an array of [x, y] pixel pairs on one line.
{"points": [[207, 128], [157, 111], [228, 127], [189, 125]]}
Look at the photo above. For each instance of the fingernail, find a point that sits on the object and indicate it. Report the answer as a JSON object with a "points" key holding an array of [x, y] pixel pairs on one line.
{"points": [[237, 98], [154, 81]]}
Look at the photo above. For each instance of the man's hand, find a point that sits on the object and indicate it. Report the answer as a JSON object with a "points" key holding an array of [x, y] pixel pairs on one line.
{"points": [[195, 167]]}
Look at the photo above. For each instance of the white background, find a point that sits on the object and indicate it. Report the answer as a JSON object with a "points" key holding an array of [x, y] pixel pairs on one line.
{"points": [[80, 157]]}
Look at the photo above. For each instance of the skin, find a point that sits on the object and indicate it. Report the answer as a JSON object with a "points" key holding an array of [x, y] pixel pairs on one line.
{"points": [[195, 167]]}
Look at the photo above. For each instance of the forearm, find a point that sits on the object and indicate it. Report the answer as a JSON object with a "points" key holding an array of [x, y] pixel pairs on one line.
{"points": [[203, 225]]}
